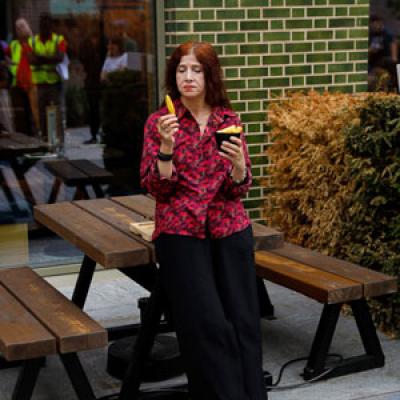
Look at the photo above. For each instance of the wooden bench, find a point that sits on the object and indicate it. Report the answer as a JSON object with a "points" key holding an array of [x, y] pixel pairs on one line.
{"points": [[37, 321], [79, 174], [332, 282]]}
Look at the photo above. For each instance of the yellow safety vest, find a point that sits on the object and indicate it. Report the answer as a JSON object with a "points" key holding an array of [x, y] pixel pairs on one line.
{"points": [[46, 73], [16, 53]]}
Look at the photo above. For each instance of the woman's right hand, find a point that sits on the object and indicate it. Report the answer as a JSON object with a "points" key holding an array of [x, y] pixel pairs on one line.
{"points": [[167, 126]]}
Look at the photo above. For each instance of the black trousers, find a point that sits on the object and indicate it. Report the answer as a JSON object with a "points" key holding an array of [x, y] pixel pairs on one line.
{"points": [[211, 287]]}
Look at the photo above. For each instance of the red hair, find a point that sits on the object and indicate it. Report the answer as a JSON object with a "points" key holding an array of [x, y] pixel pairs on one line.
{"points": [[208, 58]]}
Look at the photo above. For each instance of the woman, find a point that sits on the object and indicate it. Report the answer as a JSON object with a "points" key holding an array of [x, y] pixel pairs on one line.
{"points": [[203, 235]]}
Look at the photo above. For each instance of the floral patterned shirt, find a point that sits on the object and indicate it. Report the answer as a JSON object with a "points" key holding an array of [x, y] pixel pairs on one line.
{"points": [[200, 197]]}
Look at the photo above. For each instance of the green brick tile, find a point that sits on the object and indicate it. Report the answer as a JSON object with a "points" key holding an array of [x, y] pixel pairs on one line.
{"points": [[232, 61], [189, 36], [275, 3], [270, 60], [340, 67], [276, 24], [341, 45], [341, 12], [341, 89], [342, 22], [231, 26], [320, 23], [319, 12], [254, 116], [231, 3], [298, 35], [253, 13], [231, 49], [318, 80], [298, 47], [358, 78], [208, 38], [253, 25], [359, 11], [362, 88], [207, 3], [254, 106], [253, 48], [276, 71], [231, 72], [254, 37], [276, 13], [340, 57], [298, 13], [250, 3], [177, 27], [362, 45], [319, 69], [341, 34], [231, 37], [253, 95], [235, 84], [254, 83], [276, 36], [254, 128], [358, 56], [177, 3], [230, 14], [298, 70], [254, 60], [298, 23], [319, 57], [319, 46], [346, 2], [298, 81], [362, 67], [276, 82], [299, 3], [321, 2], [208, 26], [252, 72], [362, 22], [315, 35], [298, 58], [185, 15], [358, 33], [340, 78], [239, 107], [276, 48], [207, 14]]}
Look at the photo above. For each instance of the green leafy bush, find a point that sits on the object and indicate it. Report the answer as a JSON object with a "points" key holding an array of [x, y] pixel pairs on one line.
{"points": [[336, 181]]}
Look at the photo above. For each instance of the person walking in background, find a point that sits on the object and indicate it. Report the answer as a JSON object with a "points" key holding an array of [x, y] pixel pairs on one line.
{"points": [[203, 236], [23, 89], [90, 57], [116, 59], [6, 114], [48, 51]]}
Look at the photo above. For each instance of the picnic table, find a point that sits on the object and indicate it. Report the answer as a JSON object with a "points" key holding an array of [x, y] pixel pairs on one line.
{"points": [[100, 228], [12, 149]]}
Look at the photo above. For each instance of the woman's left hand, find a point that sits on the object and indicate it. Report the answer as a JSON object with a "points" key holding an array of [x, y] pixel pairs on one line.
{"points": [[233, 151]]}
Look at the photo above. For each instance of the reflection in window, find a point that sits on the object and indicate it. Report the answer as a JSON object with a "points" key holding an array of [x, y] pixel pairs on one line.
{"points": [[77, 81]]}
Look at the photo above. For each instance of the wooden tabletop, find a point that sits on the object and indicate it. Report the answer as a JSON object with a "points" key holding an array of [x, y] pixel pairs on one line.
{"points": [[100, 228], [15, 144]]}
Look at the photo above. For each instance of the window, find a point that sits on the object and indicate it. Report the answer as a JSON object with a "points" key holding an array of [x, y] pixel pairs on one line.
{"points": [[77, 82]]}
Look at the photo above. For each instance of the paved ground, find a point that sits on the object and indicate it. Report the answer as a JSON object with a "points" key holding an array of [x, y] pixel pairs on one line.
{"points": [[112, 300]]}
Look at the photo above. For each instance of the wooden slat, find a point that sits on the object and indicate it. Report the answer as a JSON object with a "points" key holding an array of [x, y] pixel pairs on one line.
{"points": [[69, 174], [74, 330], [374, 283], [312, 282], [266, 238], [117, 216], [94, 173], [97, 239], [141, 204], [21, 335]]}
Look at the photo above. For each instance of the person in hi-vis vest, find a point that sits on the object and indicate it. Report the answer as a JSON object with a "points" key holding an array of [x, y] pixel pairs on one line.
{"points": [[48, 50], [23, 89]]}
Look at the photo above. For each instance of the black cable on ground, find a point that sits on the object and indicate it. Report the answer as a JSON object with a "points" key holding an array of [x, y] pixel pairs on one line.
{"points": [[182, 388]]}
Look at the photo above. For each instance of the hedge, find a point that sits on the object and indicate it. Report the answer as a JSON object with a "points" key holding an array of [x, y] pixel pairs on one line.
{"points": [[335, 177]]}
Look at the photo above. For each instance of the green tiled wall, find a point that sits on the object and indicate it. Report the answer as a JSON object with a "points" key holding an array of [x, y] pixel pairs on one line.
{"points": [[271, 47]]}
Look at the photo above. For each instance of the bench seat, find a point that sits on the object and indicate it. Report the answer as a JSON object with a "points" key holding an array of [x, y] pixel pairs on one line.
{"points": [[37, 321], [332, 282]]}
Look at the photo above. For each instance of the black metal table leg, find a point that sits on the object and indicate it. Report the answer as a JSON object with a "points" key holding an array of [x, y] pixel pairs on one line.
{"points": [[27, 379], [322, 341], [77, 376], [54, 191], [264, 301], [98, 190], [143, 345], [83, 282]]}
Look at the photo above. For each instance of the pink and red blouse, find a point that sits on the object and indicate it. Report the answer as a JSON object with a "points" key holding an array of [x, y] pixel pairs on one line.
{"points": [[200, 196]]}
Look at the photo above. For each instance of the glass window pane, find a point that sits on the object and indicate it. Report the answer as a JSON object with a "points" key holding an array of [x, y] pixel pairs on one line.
{"points": [[77, 82]]}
